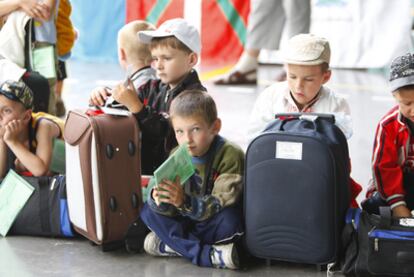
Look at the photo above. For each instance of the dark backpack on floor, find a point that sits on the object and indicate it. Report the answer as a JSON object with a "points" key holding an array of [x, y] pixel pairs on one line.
{"points": [[46, 211]]}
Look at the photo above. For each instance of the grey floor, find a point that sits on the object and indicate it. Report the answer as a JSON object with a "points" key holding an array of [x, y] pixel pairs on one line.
{"points": [[366, 92]]}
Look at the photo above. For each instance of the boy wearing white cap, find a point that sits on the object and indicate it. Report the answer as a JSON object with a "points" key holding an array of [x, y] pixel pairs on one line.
{"points": [[307, 66], [393, 154], [175, 47]]}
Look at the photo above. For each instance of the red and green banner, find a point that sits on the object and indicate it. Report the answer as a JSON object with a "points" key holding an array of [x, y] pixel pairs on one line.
{"points": [[223, 24]]}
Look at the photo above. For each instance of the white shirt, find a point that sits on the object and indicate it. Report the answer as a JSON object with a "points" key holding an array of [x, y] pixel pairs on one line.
{"points": [[277, 99]]}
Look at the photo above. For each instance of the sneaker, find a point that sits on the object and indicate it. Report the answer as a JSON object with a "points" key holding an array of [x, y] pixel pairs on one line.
{"points": [[224, 256], [155, 247]]}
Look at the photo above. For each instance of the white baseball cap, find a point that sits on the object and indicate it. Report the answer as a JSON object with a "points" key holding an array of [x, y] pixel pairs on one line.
{"points": [[307, 49], [177, 27]]}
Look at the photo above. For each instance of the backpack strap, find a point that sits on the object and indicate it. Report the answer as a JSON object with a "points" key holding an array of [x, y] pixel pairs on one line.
{"points": [[28, 41]]}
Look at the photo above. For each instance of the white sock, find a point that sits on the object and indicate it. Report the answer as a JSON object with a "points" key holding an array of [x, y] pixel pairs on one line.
{"points": [[246, 63]]}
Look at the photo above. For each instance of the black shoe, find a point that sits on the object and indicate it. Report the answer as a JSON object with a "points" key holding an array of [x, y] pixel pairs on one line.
{"points": [[135, 236]]}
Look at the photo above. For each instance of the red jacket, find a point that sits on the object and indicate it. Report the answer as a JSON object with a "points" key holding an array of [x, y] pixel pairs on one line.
{"points": [[393, 153]]}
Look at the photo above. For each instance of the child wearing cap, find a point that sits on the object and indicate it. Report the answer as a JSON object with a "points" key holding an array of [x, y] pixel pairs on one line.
{"points": [[307, 66], [175, 47], [134, 57], [26, 139], [201, 219], [393, 154], [306, 59]]}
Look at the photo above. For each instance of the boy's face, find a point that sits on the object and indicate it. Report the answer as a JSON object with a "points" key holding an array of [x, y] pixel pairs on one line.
{"points": [[11, 110], [405, 100], [172, 65], [196, 132], [305, 81]]}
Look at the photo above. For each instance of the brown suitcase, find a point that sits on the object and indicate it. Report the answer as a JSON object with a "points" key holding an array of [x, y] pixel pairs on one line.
{"points": [[103, 175]]}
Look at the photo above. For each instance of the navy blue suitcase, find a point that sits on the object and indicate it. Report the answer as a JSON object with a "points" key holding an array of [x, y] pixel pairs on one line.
{"points": [[296, 189]]}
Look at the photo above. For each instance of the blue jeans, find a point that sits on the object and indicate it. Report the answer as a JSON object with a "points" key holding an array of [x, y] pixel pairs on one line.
{"points": [[193, 239]]}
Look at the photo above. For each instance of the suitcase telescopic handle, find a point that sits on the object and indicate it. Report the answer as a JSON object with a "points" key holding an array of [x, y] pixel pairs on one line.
{"points": [[312, 117], [306, 116]]}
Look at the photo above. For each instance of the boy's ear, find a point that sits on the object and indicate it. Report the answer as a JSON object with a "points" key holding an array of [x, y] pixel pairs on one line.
{"points": [[122, 55], [326, 76], [193, 59], [27, 115], [217, 126]]}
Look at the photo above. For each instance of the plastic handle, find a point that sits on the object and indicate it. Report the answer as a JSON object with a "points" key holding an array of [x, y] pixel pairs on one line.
{"points": [[311, 117], [305, 116]]}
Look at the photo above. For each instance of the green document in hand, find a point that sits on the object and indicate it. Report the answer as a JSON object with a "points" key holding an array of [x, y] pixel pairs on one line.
{"points": [[44, 61], [58, 157], [178, 164], [14, 193]]}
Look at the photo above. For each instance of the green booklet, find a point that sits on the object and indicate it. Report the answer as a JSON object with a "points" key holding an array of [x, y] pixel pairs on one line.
{"points": [[57, 163], [178, 164], [14, 193], [44, 61]]}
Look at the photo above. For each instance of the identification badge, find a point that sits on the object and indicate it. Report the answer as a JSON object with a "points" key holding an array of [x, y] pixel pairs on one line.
{"points": [[289, 150]]}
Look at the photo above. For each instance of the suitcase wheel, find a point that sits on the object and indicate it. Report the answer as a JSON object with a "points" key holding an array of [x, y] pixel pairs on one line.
{"points": [[109, 151], [131, 148], [112, 204], [134, 199]]}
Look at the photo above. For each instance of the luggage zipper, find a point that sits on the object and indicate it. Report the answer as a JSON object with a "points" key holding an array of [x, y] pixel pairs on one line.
{"points": [[52, 185], [376, 244]]}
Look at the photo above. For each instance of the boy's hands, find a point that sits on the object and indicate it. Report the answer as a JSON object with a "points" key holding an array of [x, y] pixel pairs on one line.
{"points": [[127, 96], [12, 130], [98, 96], [169, 192], [401, 211], [35, 9]]}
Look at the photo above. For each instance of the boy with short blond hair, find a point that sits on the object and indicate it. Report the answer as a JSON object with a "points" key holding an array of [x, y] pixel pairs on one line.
{"points": [[208, 206], [26, 138], [175, 48], [393, 154], [306, 59], [131, 50], [134, 57]]}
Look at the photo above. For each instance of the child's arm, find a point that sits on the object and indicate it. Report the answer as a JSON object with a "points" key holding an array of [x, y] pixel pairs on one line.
{"points": [[401, 211], [166, 197], [50, 5], [387, 172], [37, 164], [227, 187], [32, 8], [262, 113], [169, 192], [99, 96], [127, 96], [343, 118], [154, 125]]}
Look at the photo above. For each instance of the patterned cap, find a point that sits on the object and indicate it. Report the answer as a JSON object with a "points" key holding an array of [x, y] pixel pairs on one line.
{"points": [[402, 72], [17, 91]]}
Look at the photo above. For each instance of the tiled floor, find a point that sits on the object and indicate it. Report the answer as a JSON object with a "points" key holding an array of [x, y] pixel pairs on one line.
{"points": [[366, 92]]}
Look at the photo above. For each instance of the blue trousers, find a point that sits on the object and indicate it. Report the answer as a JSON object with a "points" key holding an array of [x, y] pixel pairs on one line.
{"points": [[193, 239]]}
